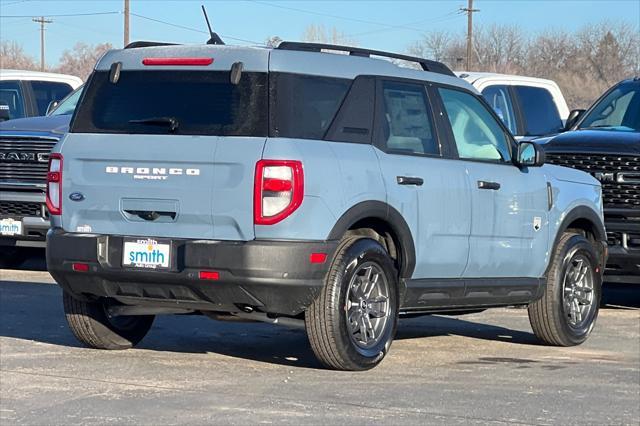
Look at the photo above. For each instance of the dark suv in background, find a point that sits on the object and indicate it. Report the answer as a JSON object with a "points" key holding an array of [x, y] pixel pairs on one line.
{"points": [[605, 141]]}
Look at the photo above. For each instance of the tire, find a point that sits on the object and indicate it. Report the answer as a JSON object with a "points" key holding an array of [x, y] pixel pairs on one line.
{"points": [[92, 326], [340, 336], [567, 321]]}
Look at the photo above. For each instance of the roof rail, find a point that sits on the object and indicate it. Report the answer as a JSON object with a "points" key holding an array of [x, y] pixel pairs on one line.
{"points": [[426, 64], [137, 44]]}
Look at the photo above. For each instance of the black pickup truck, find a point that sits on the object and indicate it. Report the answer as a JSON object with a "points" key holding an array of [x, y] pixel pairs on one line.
{"points": [[25, 144], [605, 141]]}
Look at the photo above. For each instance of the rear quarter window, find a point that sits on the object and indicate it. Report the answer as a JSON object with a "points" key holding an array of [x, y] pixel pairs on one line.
{"points": [[304, 105]]}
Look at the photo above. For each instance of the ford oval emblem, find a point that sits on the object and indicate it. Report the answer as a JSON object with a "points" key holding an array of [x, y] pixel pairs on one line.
{"points": [[76, 196]]}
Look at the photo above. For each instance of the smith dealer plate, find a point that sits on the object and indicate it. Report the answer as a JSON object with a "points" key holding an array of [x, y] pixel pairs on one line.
{"points": [[10, 227], [146, 253]]}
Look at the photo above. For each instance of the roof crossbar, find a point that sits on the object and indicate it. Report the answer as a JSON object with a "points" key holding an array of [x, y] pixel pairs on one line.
{"points": [[426, 64]]}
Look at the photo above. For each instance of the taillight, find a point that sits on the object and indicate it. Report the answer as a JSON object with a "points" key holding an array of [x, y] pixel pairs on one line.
{"points": [[278, 190], [54, 184]]}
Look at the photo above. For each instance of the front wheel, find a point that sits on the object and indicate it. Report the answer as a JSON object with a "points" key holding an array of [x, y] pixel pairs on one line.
{"points": [[92, 325], [566, 313], [352, 322]]}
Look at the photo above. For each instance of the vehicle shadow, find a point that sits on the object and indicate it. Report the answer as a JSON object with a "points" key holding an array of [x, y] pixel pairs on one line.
{"points": [[33, 311]]}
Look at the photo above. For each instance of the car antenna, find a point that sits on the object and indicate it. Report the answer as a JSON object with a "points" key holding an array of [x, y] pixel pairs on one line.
{"points": [[215, 38]]}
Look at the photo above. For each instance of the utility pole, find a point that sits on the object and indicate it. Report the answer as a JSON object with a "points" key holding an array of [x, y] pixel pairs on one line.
{"points": [[126, 22], [42, 21], [469, 11]]}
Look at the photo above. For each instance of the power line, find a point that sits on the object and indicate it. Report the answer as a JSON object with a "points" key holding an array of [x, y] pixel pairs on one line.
{"points": [[62, 15], [191, 28], [329, 15], [451, 15]]}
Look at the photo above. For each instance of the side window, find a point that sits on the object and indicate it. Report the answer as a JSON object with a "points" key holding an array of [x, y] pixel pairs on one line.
{"points": [[477, 134], [305, 105], [541, 115], [11, 95], [47, 91], [500, 100], [407, 125]]}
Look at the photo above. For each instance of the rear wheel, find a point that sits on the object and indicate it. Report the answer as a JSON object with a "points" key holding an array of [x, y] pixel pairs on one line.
{"points": [[93, 326], [352, 323], [567, 312]]}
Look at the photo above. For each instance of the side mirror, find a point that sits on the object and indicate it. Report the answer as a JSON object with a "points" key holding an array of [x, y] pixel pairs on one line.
{"points": [[530, 154], [4, 112], [52, 105], [573, 118]]}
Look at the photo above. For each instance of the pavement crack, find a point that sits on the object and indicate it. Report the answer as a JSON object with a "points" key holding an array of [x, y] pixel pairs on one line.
{"points": [[111, 382]]}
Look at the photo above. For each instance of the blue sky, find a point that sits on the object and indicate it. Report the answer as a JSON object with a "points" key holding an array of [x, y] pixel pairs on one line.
{"points": [[387, 25]]}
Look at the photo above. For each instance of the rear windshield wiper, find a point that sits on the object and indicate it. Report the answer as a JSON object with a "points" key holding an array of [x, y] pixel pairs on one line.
{"points": [[159, 121]]}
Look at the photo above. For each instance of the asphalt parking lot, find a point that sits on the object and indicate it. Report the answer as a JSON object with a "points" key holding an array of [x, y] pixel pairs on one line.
{"points": [[473, 369]]}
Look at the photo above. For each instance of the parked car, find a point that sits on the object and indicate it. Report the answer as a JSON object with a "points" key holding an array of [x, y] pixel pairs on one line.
{"points": [[25, 144], [530, 107], [311, 189], [605, 141], [30, 93]]}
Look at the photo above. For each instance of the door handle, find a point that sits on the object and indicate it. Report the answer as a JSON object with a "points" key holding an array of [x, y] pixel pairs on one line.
{"points": [[483, 184], [408, 180]]}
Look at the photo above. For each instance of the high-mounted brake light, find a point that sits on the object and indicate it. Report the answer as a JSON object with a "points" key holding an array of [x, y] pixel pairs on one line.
{"points": [[54, 184], [177, 61], [278, 190]]}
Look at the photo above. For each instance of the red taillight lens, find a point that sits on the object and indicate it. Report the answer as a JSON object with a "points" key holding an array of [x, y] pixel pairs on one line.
{"points": [[177, 61], [278, 190], [80, 267], [318, 257], [209, 275], [54, 184]]}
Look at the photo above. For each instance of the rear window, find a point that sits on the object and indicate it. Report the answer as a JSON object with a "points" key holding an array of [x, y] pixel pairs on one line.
{"points": [[200, 103], [46, 92], [540, 112]]}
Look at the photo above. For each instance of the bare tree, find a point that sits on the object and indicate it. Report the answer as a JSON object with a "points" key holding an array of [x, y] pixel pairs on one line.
{"points": [[12, 56], [318, 34], [273, 41], [584, 64], [81, 59]]}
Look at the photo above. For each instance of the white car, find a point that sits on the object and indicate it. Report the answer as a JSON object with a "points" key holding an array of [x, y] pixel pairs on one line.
{"points": [[530, 107], [29, 93]]}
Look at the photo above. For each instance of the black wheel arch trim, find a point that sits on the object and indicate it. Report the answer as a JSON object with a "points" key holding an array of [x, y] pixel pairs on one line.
{"points": [[383, 211], [588, 214]]}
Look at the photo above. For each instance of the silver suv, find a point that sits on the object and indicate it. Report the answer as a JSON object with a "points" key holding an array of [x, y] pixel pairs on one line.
{"points": [[312, 189]]}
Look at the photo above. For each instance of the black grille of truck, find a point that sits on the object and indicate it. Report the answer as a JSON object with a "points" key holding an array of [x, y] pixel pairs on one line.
{"points": [[19, 209], [25, 159], [619, 175]]}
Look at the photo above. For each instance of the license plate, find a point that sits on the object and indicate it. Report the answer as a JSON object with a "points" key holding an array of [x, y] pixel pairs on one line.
{"points": [[146, 253], [10, 227]]}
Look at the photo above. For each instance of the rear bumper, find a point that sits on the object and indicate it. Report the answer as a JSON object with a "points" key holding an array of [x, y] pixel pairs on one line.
{"points": [[270, 276], [34, 227]]}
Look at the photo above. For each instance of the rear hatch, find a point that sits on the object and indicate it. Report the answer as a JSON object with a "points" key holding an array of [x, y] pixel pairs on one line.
{"points": [[169, 147]]}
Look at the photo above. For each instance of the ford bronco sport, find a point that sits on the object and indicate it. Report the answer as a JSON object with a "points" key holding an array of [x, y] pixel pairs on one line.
{"points": [[306, 188]]}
